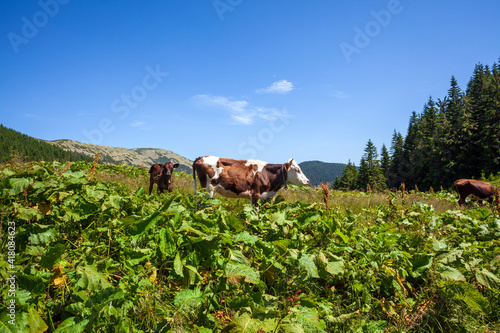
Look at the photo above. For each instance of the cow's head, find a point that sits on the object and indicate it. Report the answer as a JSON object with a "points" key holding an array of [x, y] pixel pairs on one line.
{"points": [[295, 174], [168, 168]]}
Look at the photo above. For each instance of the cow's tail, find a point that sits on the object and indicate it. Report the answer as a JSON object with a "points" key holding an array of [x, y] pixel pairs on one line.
{"points": [[194, 181], [496, 199]]}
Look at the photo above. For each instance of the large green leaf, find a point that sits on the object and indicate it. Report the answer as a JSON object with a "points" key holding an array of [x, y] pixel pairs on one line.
{"points": [[31, 322], [447, 257], [188, 299], [488, 279], [178, 265], [450, 273], [7, 324], [235, 270], [167, 243], [245, 237], [43, 235], [420, 263], [145, 224], [248, 324], [96, 192], [303, 319], [135, 257], [306, 262], [335, 267], [75, 177], [91, 279], [17, 185], [72, 325], [148, 222], [52, 255], [469, 295]]}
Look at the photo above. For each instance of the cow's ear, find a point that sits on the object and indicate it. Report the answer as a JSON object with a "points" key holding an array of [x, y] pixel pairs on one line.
{"points": [[287, 166], [176, 165]]}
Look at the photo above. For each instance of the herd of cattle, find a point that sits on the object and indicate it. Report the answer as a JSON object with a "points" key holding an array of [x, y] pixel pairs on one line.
{"points": [[254, 179]]}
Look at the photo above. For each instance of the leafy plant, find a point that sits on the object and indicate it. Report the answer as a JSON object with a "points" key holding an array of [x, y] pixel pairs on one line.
{"points": [[95, 253]]}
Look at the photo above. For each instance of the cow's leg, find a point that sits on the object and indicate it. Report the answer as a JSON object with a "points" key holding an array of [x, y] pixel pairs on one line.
{"points": [[490, 199], [255, 200], [461, 201], [211, 190], [151, 183]]}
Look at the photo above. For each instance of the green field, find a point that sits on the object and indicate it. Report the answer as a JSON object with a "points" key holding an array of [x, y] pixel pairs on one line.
{"points": [[93, 252]]}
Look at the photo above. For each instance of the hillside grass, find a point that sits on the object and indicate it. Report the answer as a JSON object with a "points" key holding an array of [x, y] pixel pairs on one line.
{"points": [[354, 201]]}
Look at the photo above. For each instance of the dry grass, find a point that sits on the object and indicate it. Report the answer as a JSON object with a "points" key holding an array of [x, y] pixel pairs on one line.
{"points": [[357, 201], [354, 201]]}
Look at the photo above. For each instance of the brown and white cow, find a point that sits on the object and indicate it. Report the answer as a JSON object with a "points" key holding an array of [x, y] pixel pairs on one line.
{"points": [[161, 174], [480, 189], [250, 179]]}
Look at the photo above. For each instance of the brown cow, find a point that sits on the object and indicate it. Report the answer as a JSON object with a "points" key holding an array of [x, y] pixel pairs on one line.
{"points": [[251, 179], [161, 174], [480, 189]]}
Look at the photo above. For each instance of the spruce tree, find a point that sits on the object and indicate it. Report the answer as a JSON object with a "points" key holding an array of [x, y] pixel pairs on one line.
{"points": [[411, 149], [370, 170], [398, 169], [349, 178], [385, 162], [459, 132], [477, 106]]}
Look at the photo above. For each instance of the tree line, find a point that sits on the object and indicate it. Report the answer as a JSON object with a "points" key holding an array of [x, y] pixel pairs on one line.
{"points": [[21, 147], [454, 137]]}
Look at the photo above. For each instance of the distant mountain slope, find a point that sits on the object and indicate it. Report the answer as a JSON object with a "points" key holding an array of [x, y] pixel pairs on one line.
{"points": [[137, 156], [16, 145], [321, 172]]}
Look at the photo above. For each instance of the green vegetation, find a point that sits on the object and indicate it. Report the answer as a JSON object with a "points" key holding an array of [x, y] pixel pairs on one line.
{"points": [[95, 253], [20, 147], [456, 137], [321, 172]]}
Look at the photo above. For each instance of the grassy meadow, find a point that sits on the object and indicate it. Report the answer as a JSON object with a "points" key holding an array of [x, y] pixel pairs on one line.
{"points": [[95, 253]]}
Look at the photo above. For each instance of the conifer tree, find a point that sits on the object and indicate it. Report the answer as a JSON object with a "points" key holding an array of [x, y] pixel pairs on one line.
{"points": [[349, 178], [385, 162], [398, 169], [477, 104], [459, 132], [411, 152], [370, 171]]}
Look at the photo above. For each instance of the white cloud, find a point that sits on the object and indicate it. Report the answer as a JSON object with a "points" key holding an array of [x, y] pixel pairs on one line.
{"points": [[333, 92], [339, 94], [141, 125], [278, 87], [240, 111], [137, 124]]}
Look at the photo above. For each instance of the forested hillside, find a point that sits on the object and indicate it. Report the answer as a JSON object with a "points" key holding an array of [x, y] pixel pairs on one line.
{"points": [[457, 136], [15, 145], [321, 172]]}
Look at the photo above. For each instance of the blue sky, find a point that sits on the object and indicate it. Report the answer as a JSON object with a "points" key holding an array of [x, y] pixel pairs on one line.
{"points": [[312, 80]]}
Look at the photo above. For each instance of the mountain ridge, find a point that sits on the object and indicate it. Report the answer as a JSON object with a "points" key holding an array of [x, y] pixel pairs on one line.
{"points": [[115, 155], [29, 148], [322, 172]]}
